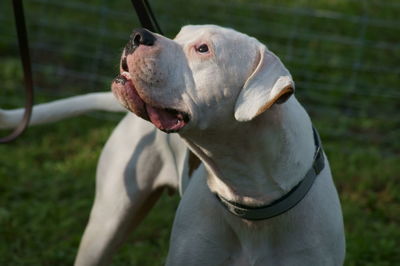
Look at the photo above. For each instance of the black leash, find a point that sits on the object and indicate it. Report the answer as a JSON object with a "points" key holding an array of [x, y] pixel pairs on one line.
{"points": [[146, 18], [26, 64], [146, 15]]}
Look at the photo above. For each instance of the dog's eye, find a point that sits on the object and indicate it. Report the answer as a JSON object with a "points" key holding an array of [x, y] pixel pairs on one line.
{"points": [[202, 48]]}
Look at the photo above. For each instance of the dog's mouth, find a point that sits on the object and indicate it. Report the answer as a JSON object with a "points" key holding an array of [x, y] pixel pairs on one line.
{"points": [[168, 120]]}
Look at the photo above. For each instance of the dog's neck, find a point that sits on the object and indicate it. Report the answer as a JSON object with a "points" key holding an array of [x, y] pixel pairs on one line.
{"points": [[259, 161]]}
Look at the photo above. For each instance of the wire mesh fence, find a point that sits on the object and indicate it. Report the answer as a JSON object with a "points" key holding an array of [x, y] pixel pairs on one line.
{"points": [[344, 55]]}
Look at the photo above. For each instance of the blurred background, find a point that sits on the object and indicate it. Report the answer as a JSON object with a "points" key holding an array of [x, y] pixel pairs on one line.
{"points": [[344, 56]]}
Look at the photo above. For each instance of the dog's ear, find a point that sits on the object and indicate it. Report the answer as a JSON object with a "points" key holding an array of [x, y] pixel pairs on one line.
{"points": [[270, 83]]}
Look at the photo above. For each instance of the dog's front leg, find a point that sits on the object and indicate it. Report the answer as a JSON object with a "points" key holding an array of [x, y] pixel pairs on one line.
{"points": [[135, 165]]}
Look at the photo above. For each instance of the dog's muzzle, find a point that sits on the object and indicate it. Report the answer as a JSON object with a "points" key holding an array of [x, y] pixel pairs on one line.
{"points": [[164, 118]]}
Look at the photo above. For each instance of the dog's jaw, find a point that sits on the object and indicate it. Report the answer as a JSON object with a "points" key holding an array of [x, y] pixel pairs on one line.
{"points": [[127, 95], [166, 119]]}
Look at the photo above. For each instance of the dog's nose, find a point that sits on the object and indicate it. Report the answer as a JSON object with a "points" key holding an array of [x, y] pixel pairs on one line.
{"points": [[143, 36], [137, 38]]}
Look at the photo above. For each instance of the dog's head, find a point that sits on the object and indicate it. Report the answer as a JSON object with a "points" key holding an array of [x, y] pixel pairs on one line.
{"points": [[207, 77]]}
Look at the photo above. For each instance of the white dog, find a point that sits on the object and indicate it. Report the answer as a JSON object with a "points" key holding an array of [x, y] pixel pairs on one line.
{"points": [[263, 193]]}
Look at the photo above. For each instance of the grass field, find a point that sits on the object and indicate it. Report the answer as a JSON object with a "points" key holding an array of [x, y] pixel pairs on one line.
{"points": [[47, 176]]}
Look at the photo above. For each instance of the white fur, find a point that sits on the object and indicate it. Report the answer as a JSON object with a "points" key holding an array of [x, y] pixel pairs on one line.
{"points": [[253, 152]]}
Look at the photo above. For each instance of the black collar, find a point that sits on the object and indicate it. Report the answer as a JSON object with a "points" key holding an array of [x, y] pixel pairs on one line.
{"points": [[287, 201]]}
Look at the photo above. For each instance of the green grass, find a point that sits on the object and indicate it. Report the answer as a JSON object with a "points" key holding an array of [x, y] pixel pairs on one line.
{"points": [[47, 177]]}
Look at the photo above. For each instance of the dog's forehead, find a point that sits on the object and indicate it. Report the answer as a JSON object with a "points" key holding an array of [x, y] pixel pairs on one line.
{"points": [[192, 33]]}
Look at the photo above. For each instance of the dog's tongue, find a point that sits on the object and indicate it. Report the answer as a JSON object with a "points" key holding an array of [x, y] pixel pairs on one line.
{"points": [[166, 120]]}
